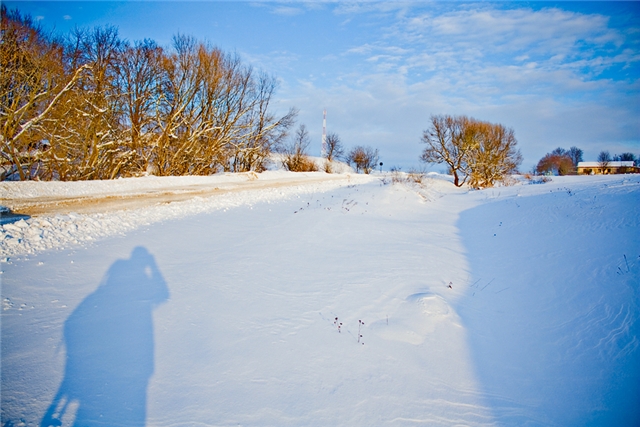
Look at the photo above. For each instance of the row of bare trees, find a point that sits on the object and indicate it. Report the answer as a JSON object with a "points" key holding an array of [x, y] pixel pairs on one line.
{"points": [[477, 152], [92, 106], [296, 159]]}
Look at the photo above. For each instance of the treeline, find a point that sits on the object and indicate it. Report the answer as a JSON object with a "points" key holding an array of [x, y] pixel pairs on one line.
{"points": [[93, 106], [565, 162]]}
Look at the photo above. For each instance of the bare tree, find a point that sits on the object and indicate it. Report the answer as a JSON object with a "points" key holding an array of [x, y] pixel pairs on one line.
{"points": [[139, 77], [575, 154], [493, 156], [560, 161], [364, 158], [334, 147], [179, 87], [449, 140], [85, 130], [95, 107], [263, 132], [295, 154], [480, 152], [604, 159], [32, 83], [214, 113]]}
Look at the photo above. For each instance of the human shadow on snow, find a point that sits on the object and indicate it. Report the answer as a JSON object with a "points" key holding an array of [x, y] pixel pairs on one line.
{"points": [[110, 347]]}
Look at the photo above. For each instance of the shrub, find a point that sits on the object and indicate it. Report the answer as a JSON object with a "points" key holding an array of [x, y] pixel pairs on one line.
{"points": [[363, 158], [299, 163]]}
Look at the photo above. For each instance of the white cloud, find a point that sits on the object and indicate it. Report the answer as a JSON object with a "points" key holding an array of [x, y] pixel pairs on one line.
{"points": [[476, 37], [368, 7], [544, 30], [550, 49], [363, 49], [287, 11]]}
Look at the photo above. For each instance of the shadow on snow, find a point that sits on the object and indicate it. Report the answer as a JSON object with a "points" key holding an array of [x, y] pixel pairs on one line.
{"points": [[552, 309], [110, 348]]}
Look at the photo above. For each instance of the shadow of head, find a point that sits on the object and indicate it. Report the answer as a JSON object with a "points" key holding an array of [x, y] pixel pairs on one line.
{"points": [[110, 347]]}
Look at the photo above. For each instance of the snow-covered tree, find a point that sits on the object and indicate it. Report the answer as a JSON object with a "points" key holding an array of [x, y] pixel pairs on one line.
{"points": [[33, 82]]}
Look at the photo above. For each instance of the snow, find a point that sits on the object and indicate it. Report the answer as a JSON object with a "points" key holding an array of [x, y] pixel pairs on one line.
{"points": [[60, 229], [510, 306]]}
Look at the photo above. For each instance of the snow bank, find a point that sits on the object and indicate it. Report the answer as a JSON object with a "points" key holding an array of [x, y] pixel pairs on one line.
{"points": [[59, 231], [140, 185]]}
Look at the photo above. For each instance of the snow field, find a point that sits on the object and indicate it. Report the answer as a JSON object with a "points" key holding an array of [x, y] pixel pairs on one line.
{"points": [[537, 327]]}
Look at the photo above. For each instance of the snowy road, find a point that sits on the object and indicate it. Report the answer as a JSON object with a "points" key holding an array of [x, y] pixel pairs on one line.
{"points": [[351, 303], [69, 213], [52, 198]]}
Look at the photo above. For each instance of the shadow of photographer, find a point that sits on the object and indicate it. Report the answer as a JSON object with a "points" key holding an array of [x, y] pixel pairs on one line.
{"points": [[110, 347]]}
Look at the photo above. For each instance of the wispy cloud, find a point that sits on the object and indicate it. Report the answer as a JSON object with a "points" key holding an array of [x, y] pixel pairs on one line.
{"points": [[278, 59], [482, 46], [287, 10], [368, 7], [512, 29]]}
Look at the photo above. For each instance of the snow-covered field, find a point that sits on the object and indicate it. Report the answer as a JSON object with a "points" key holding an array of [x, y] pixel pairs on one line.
{"points": [[352, 301]]}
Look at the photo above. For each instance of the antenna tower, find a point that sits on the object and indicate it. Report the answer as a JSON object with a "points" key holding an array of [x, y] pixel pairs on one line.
{"points": [[324, 133]]}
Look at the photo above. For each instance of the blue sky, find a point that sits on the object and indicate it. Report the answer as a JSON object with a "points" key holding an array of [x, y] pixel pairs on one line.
{"points": [[558, 73]]}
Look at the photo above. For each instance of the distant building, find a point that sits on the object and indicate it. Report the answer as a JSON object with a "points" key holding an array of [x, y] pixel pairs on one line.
{"points": [[595, 168]]}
